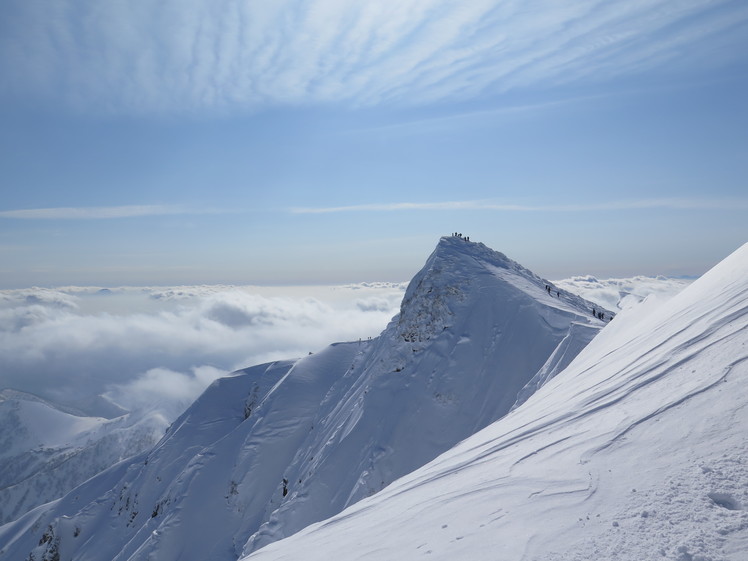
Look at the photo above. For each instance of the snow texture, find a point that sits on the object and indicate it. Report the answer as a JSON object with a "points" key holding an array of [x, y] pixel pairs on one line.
{"points": [[268, 451], [637, 450]]}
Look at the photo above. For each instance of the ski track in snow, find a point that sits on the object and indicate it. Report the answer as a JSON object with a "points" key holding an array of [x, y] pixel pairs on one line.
{"points": [[688, 517]]}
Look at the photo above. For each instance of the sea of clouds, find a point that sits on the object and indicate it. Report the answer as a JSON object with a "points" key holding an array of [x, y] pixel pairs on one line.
{"points": [[159, 348], [618, 294]]}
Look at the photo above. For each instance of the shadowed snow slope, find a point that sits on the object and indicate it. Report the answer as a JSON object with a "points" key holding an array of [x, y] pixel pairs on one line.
{"points": [[46, 451], [266, 452], [636, 451]]}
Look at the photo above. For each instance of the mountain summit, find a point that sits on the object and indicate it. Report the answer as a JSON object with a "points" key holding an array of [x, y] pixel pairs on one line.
{"points": [[266, 452]]}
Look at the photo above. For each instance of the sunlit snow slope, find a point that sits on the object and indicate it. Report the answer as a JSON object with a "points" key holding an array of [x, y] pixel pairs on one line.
{"points": [[264, 453], [638, 450]]}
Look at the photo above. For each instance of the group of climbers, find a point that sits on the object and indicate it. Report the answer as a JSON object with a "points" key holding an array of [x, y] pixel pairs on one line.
{"points": [[600, 315]]}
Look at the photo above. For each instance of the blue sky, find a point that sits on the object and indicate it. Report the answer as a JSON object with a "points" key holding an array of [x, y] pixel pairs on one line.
{"points": [[297, 142]]}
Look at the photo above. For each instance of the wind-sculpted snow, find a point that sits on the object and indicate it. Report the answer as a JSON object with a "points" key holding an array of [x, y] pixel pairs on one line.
{"points": [[637, 450], [265, 453]]}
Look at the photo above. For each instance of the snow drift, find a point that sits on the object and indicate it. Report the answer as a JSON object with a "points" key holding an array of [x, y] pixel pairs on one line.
{"points": [[636, 451], [263, 454]]}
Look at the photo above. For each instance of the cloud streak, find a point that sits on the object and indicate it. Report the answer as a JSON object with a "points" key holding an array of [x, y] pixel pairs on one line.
{"points": [[97, 213], [189, 55], [482, 205]]}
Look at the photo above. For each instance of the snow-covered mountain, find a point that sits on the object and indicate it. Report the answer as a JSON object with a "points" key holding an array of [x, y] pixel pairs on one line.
{"points": [[266, 452], [638, 450], [46, 450]]}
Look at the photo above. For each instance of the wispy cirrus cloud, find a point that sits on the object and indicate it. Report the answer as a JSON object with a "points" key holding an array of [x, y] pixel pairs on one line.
{"points": [[484, 205], [197, 54], [98, 213]]}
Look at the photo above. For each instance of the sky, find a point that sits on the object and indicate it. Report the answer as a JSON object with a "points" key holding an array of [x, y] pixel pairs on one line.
{"points": [[328, 141]]}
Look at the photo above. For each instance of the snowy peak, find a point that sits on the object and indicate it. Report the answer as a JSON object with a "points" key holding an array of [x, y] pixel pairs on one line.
{"points": [[432, 296], [458, 267]]}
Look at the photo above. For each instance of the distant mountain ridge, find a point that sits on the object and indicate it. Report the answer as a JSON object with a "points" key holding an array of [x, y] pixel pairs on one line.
{"points": [[47, 449], [276, 447]]}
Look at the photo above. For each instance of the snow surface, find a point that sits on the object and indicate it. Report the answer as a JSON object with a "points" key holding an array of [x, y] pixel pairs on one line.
{"points": [[45, 451], [262, 454], [636, 451]]}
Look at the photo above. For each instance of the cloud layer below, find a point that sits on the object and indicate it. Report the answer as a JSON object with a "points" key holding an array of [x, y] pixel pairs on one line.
{"points": [[197, 54], [622, 294], [160, 347]]}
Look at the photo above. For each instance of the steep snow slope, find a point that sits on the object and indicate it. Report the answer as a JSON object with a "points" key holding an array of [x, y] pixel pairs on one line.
{"points": [[265, 453], [638, 450], [46, 451]]}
